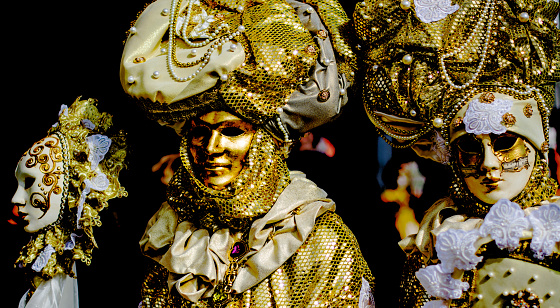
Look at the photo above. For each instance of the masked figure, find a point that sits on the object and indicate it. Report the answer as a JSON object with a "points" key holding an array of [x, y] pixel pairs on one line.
{"points": [[64, 181], [470, 84], [238, 81]]}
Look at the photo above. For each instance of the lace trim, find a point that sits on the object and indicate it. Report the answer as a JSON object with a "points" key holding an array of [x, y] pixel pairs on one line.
{"points": [[505, 224], [434, 10]]}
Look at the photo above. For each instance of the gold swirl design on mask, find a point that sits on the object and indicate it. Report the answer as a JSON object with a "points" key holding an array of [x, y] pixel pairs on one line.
{"points": [[51, 174]]}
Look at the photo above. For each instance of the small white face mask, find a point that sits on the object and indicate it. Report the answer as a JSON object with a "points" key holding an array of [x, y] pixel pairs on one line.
{"points": [[40, 177]]}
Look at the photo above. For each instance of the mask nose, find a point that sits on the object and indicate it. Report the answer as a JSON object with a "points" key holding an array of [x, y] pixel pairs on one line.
{"points": [[215, 143], [20, 196], [491, 161]]}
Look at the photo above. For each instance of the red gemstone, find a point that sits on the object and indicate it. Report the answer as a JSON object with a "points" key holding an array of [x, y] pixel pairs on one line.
{"points": [[238, 250]]}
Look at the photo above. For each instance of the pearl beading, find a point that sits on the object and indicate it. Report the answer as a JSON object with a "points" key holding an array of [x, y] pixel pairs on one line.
{"points": [[172, 60], [488, 8]]}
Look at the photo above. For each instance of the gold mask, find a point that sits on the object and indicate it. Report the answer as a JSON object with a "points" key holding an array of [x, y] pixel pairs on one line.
{"points": [[218, 143]]}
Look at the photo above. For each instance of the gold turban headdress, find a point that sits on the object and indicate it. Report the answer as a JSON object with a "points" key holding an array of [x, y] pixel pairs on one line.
{"points": [[425, 60], [280, 63]]}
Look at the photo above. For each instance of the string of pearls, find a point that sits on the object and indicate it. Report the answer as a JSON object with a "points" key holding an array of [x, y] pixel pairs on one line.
{"points": [[488, 8], [172, 60]]}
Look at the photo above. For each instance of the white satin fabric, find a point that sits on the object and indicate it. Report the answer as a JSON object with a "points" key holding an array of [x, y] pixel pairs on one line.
{"points": [[59, 292]]}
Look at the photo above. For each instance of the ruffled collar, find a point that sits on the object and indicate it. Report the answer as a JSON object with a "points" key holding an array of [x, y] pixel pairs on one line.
{"points": [[198, 258]]}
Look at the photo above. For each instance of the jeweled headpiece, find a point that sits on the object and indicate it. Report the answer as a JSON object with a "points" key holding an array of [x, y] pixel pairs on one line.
{"points": [[92, 157], [426, 59], [267, 61]]}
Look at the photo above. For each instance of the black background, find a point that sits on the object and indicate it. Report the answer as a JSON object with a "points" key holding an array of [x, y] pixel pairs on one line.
{"points": [[55, 52]]}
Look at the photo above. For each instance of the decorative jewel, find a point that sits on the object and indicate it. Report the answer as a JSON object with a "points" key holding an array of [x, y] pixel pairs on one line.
{"points": [[323, 95], [155, 75], [524, 17], [407, 59], [132, 30], [232, 47], [487, 97], [437, 122], [412, 112], [405, 5], [223, 77], [322, 34], [545, 222], [310, 49], [434, 10], [508, 119], [528, 110], [238, 250], [486, 118], [505, 223], [456, 122], [139, 60], [130, 79], [455, 249], [165, 12], [439, 283]]}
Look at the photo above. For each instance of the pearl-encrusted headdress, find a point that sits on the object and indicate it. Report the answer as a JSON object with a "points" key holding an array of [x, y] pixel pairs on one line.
{"points": [[425, 60], [280, 63]]}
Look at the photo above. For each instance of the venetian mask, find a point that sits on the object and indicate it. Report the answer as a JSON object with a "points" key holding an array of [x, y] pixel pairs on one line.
{"points": [[218, 143], [494, 166], [40, 178]]}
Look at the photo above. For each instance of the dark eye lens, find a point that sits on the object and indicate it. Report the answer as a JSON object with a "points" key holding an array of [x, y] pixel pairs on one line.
{"points": [[469, 144], [232, 131], [29, 182], [504, 142]]}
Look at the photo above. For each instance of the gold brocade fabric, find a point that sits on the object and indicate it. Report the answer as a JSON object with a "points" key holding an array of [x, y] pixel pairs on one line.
{"points": [[326, 271], [299, 254]]}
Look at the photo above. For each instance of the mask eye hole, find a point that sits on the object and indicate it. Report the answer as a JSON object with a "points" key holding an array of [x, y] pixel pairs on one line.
{"points": [[469, 144], [28, 182], [232, 131], [504, 142]]}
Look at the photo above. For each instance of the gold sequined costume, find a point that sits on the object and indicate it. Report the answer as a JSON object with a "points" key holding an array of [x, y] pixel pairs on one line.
{"points": [[270, 238], [301, 255]]}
